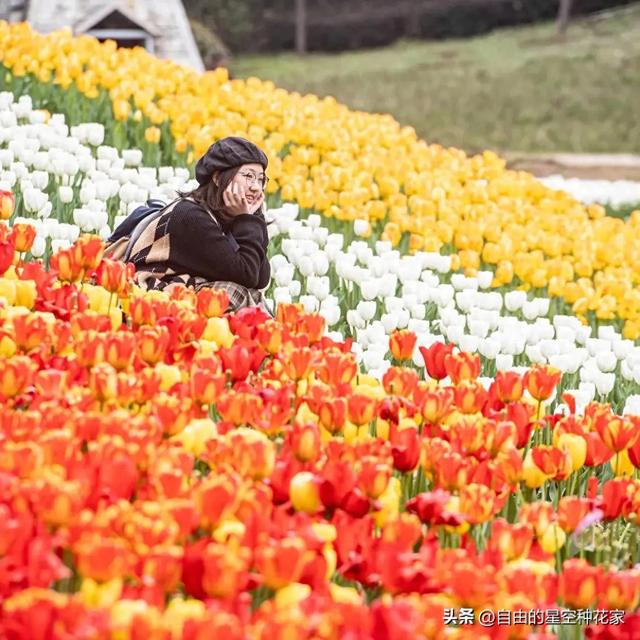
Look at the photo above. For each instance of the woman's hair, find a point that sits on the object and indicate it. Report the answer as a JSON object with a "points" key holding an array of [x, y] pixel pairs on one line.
{"points": [[209, 195]]}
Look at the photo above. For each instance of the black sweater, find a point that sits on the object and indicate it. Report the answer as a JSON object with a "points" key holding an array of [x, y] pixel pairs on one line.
{"points": [[235, 251]]}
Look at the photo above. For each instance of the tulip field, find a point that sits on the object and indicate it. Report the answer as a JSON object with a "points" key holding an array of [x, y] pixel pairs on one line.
{"points": [[436, 437]]}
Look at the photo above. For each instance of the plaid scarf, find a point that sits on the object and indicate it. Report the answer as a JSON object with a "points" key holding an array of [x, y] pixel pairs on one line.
{"points": [[150, 255]]}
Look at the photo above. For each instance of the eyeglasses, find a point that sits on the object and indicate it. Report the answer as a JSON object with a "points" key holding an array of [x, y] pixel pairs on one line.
{"points": [[252, 178]]}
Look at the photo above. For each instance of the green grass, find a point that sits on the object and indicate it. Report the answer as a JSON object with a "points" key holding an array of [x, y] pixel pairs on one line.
{"points": [[520, 88]]}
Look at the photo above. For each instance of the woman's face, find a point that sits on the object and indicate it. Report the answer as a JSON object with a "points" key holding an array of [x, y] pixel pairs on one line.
{"points": [[250, 178]]}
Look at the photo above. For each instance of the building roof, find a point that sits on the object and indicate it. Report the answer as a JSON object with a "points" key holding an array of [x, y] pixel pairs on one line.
{"points": [[164, 20]]}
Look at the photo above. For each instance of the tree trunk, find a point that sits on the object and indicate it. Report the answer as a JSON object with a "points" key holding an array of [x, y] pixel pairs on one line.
{"points": [[301, 26], [564, 13]]}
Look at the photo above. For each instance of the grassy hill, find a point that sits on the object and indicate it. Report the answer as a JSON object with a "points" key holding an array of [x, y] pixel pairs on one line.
{"points": [[519, 88]]}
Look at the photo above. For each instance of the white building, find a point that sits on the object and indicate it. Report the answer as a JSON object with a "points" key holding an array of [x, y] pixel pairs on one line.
{"points": [[160, 26]]}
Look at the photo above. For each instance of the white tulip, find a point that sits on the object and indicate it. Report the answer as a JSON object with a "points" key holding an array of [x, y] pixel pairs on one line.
{"points": [[294, 288], [582, 334], [281, 295], [504, 362], [622, 348], [383, 246], [604, 383], [485, 278], [361, 227], [133, 158], [418, 326], [478, 328], [514, 300], [355, 320], [606, 361], [489, 347], [389, 321], [305, 266], [369, 289], [626, 370], [310, 303], [453, 333], [45, 210], [320, 262], [38, 247], [366, 309], [596, 345], [469, 343], [535, 354], [632, 405]]}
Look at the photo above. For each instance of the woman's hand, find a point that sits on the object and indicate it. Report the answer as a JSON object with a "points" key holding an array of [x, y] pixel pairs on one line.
{"points": [[235, 200]]}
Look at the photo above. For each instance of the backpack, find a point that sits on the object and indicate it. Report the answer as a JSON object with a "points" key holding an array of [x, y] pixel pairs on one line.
{"points": [[120, 243]]}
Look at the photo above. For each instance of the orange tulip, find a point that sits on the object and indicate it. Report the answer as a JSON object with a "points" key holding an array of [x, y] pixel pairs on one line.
{"points": [[511, 540], [16, 374], [120, 349], [88, 251], [437, 404], [103, 382], [226, 569], [114, 276], [297, 363], [212, 303], [66, 266], [509, 386], [152, 344], [540, 381], [216, 498], [580, 583], [571, 511], [538, 514], [206, 386], [470, 396], [621, 590], [451, 472], [553, 462], [239, 408], [312, 325], [281, 562], [337, 368], [102, 558], [617, 433], [400, 381], [7, 204], [31, 331], [373, 477], [402, 343], [479, 503], [332, 414], [23, 236], [361, 409], [597, 452], [304, 441], [462, 366], [51, 383], [270, 336]]}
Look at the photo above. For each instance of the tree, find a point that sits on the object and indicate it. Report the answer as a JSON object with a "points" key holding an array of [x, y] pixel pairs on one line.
{"points": [[564, 14], [301, 26]]}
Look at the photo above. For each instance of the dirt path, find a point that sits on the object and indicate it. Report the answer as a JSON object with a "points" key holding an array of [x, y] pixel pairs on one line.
{"points": [[569, 165]]}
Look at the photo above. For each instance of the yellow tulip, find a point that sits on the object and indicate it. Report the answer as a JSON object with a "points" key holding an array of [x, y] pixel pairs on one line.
{"points": [[304, 492]]}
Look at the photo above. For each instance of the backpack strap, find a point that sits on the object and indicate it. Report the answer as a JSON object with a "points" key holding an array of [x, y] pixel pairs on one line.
{"points": [[142, 225]]}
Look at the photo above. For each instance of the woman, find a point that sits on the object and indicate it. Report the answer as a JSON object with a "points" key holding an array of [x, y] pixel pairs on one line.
{"points": [[216, 235]]}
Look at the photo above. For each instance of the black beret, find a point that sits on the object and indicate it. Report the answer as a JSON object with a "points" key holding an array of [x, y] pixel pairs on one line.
{"points": [[227, 153]]}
